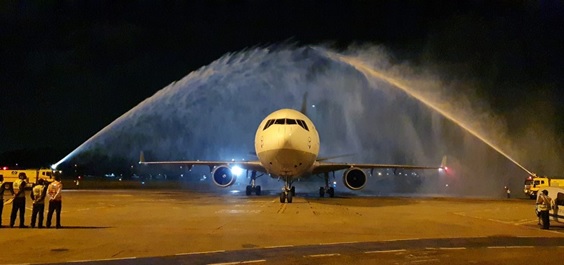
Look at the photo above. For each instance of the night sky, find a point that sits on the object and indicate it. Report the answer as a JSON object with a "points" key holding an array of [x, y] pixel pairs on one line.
{"points": [[69, 68]]}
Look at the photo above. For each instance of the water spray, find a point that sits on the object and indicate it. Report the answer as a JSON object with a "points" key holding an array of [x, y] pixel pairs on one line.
{"points": [[290, 71], [85, 144], [369, 71]]}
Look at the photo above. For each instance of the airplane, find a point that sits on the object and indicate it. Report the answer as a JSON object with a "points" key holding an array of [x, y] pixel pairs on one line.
{"points": [[287, 147]]}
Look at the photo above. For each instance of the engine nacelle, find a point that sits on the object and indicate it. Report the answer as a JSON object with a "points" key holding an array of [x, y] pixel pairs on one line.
{"points": [[354, 178], [223, 177]]}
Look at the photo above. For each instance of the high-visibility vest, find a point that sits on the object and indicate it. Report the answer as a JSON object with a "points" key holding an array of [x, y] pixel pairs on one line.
{"points": [[17, 185], [53, 189], [544, 203], [37, 193]]}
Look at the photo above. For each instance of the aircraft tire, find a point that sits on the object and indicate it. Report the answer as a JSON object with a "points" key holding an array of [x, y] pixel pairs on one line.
{"points": [[321, 192], [289, 197], [257, 190], [282, 197], [331, 192], [249, 190]]}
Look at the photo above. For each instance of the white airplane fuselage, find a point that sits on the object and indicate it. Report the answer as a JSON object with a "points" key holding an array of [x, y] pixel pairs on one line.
{"points": [[287, 143]]}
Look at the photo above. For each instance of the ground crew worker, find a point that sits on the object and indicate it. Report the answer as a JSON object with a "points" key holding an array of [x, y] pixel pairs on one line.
{"points": [[19, 200], [508, 191], [2, 189], [55, 201], [38, 197], [544, 204]]}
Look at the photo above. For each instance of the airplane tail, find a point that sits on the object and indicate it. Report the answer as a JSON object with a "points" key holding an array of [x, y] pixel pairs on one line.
{"points": [[304, 104], [444, 163]]}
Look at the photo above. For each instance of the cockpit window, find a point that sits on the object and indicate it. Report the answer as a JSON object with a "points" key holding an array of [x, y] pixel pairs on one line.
{"points": [[268, 123], [286, 121], [303, 124], [290, 121]]}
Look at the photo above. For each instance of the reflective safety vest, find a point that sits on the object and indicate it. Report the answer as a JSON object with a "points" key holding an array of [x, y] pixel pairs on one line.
{"points": [[19, 184], [54, 189], [37, 193], [544, 202]]}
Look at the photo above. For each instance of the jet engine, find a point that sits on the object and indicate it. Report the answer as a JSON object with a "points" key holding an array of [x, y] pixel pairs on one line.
{"points": [[354, 178], [223, 177]]}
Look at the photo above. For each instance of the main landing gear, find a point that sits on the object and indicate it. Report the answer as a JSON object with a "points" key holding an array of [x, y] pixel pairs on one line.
{"points": [[288, 192], [252, 187], [329, 190]]}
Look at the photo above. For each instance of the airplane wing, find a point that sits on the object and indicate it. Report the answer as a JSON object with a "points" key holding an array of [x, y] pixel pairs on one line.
{"points": [[323, 167], [249, 165]]}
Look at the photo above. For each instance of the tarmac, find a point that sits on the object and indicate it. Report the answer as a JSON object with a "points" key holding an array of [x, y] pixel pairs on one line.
{"points": [[190, 227]]}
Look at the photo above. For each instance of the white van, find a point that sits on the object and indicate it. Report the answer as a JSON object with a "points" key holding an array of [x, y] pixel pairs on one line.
{"points": [[556, 213]]}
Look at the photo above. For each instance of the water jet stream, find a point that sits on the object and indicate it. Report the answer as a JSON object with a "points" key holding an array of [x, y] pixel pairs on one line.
{"points": [[369, 71], [159, 122], [83, 145]]}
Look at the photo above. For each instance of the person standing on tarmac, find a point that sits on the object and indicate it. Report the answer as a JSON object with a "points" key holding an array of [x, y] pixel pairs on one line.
{"points": [[544, 203], [19, 200], [2, 189], [38, 196], [55, 201]]}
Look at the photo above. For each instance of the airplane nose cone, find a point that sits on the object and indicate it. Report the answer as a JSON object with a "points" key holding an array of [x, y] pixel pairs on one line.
{"points": [[288, 142]]}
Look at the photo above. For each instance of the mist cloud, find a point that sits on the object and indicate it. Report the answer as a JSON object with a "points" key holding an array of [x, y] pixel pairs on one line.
{"points": [[213, 114]]}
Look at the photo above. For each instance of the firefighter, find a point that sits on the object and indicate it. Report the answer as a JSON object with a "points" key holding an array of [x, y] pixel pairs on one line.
{"points": [[19, 200], [544, 203], [38, 197], [55, 201]]}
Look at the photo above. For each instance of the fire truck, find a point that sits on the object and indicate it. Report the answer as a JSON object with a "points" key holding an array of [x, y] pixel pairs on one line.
{"points": [[534, 184], [9, 176]]}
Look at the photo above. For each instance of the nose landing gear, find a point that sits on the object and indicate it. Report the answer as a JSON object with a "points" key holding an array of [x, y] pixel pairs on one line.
{"points": [[288, 192]]}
